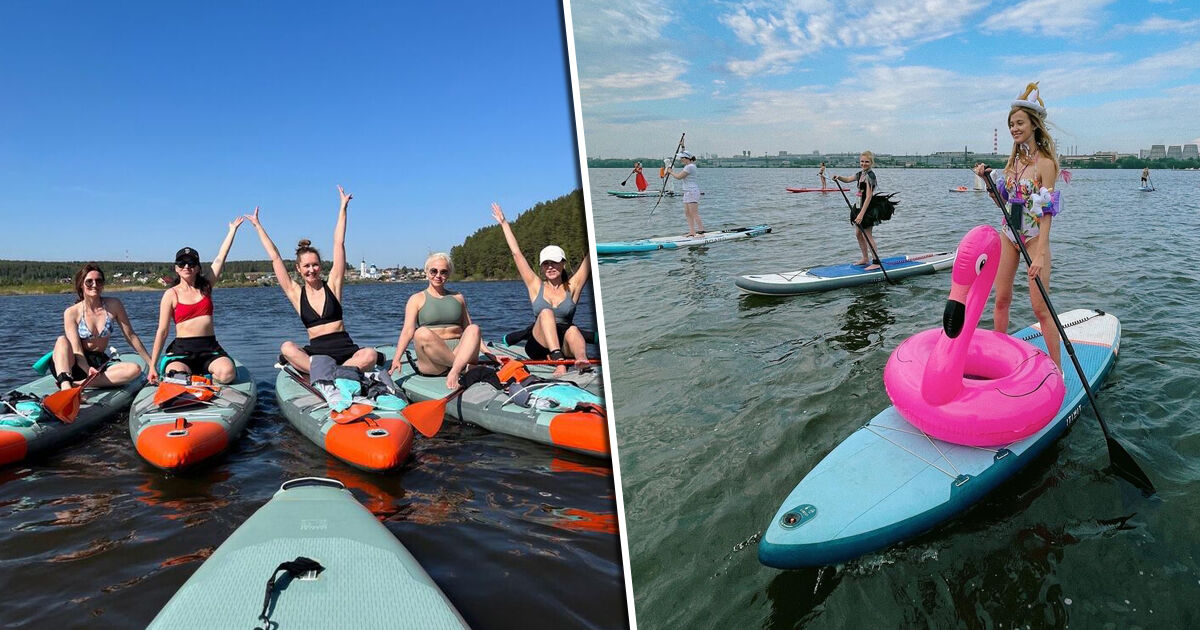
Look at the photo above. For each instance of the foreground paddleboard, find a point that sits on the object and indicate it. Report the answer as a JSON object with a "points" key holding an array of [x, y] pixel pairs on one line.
{"points": [[887, 482], [634, 194], [96, 405], [369, 580], [676, 242], [840, 276], [178, 437]]}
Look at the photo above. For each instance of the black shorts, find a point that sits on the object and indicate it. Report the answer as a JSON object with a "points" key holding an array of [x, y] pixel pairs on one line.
{"points": [[94, 359], [537, 351], [337, 346], [197, 353]]}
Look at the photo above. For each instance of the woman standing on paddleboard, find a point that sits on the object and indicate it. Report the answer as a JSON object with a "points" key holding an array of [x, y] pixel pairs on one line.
{"points": [[88, 326], [869, 212], [821, 174], [189, 304], [691, 192], [553, 297], [638, 178], [437, 320], [1027, 187], [318, 302]]}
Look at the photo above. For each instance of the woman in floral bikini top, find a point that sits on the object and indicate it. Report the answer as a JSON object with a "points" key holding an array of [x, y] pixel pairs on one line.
{"points": [[1027, 187]]}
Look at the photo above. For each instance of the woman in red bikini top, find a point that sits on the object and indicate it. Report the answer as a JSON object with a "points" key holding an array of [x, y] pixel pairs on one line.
{"points": [[188, 303], [318, 302]]}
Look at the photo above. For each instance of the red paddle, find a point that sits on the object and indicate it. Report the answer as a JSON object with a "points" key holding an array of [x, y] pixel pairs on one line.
{"points": [[64, 404]]}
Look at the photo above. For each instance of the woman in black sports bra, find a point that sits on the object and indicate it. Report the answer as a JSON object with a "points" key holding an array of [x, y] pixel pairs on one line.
{"points": [[319, 302]]}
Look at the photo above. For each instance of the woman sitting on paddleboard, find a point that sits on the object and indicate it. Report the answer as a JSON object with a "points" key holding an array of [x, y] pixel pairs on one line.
{"points": [[189, 304], [691, 192], [88, 325], [437, 320], [318, 302], [553, 298], [870, 212], [1027, 187]]}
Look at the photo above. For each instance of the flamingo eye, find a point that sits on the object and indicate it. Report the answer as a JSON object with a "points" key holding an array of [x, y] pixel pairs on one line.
{"points": [[980, 262]]}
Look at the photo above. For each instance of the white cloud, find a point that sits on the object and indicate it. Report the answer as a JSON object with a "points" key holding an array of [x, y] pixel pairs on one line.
{"points": [[785, 34], [658, 77], [1156, 24], [1048, 17], [620, 53]]}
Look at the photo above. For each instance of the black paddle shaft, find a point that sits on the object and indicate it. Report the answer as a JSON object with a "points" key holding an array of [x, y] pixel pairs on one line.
{"points": [[678, 148], [864, 232], [628, 176], [1122, 461]]}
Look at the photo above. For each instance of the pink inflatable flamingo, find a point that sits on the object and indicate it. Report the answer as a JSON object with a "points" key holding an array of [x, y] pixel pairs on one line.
{"points": [[969, 386]]}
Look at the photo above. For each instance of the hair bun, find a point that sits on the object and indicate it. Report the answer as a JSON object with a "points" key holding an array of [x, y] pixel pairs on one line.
{"points": [[303, 243]]}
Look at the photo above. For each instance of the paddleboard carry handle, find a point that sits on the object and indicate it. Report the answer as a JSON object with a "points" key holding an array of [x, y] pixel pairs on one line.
{"points": [[312, 481], [299, 568]]}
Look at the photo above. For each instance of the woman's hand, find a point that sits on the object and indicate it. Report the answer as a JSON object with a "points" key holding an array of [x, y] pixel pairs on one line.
{"points": [[1036, 262], [153, 375], [980, 169], [253, 218], [396, 365], [497, 213], [233, 225], [345, 196]]}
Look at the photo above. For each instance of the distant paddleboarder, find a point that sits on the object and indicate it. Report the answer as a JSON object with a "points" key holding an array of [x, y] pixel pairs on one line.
{"points": [[821, 174], [1145, 177], [638, 178]]}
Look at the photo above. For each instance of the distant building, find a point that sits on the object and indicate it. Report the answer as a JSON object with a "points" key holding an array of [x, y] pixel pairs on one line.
{"points": [[1157, 151], [1189, 152], [783, 154], [1144, 153], [1174, 151]]}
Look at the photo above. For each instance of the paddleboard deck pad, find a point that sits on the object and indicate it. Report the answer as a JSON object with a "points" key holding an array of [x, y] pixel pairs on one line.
{"points": [[177, 434], [676, 242], [840, 276], [887, 482], [367, 580]]}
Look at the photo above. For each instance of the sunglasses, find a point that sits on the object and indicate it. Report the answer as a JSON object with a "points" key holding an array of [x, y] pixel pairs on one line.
{"points": [[93, 282], [439, 272], [186, 263]]}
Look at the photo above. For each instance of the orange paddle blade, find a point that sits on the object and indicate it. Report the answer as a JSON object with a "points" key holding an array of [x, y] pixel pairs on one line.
{"points": [[167, 391], [64, 404], [351, 413], [426, 416]]}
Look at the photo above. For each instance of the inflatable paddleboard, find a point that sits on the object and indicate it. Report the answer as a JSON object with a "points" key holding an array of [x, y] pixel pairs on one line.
{"points": [[633, 194], [366, 579], [887, 482], [840, 276], [592, 380], [185, 431], [676, 242], [21, 438]]}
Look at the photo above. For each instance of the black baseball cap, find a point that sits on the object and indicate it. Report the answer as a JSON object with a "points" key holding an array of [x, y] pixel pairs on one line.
{"points": [[187, 254]]}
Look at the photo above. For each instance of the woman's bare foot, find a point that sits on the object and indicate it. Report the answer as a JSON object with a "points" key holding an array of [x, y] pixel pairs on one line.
{"points": [[559, 371], [583, 365], [860, 262], [452, 380]]}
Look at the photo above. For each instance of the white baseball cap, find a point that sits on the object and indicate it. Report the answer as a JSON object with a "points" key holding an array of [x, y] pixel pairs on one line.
{"points": [[685, 154], [551, 253]]}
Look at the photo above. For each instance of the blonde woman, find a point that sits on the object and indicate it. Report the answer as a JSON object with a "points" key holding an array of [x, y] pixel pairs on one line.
{"points": [[1026, 186], [437, 321], [870, 211]]}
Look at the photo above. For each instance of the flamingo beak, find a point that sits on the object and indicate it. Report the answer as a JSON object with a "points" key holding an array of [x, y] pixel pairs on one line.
{"points": [[955, 314]]}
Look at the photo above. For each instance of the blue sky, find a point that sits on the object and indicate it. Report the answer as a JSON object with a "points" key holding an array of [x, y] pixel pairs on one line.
{"points": [[894, 77], [130, 129]]}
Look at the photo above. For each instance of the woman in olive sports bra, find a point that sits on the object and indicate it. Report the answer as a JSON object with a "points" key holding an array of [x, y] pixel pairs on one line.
{"points": [[553, 298], [437, 322], [189, 304], [88, 325], [316, 300]]}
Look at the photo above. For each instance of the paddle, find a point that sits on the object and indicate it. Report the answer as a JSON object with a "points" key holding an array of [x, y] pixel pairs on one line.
{"points": [[668, 171], [64, 404], [544, 361], [863, 232], [628, 176], [1122, 461], [426, 416]]}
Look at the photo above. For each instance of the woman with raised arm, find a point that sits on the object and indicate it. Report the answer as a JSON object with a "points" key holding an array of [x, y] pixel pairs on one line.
{"points": [[691, 192], [318, 302], [88, 326], [1026, 187], [437, 320], [553, 298], [189, 304]]}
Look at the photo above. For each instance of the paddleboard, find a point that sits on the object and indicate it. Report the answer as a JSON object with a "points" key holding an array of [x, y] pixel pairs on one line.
{"points": [[21, 439], [964, 189], [840, 276], [367, 580], [633, 194], [887, 482], [177, 434], [1146, 188], [820, 190], [592, 380], [676, 242]]}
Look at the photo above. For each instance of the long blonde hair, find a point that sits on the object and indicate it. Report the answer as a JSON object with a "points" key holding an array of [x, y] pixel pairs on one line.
{"points": [[1042, 140]]}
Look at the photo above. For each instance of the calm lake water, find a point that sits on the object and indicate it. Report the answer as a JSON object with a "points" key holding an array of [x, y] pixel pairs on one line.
{"points": [[518, 535], [723, 402]]}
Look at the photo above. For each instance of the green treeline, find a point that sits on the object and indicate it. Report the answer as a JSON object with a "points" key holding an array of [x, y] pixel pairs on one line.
{"points": [[484, 255], [25, 272]]}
